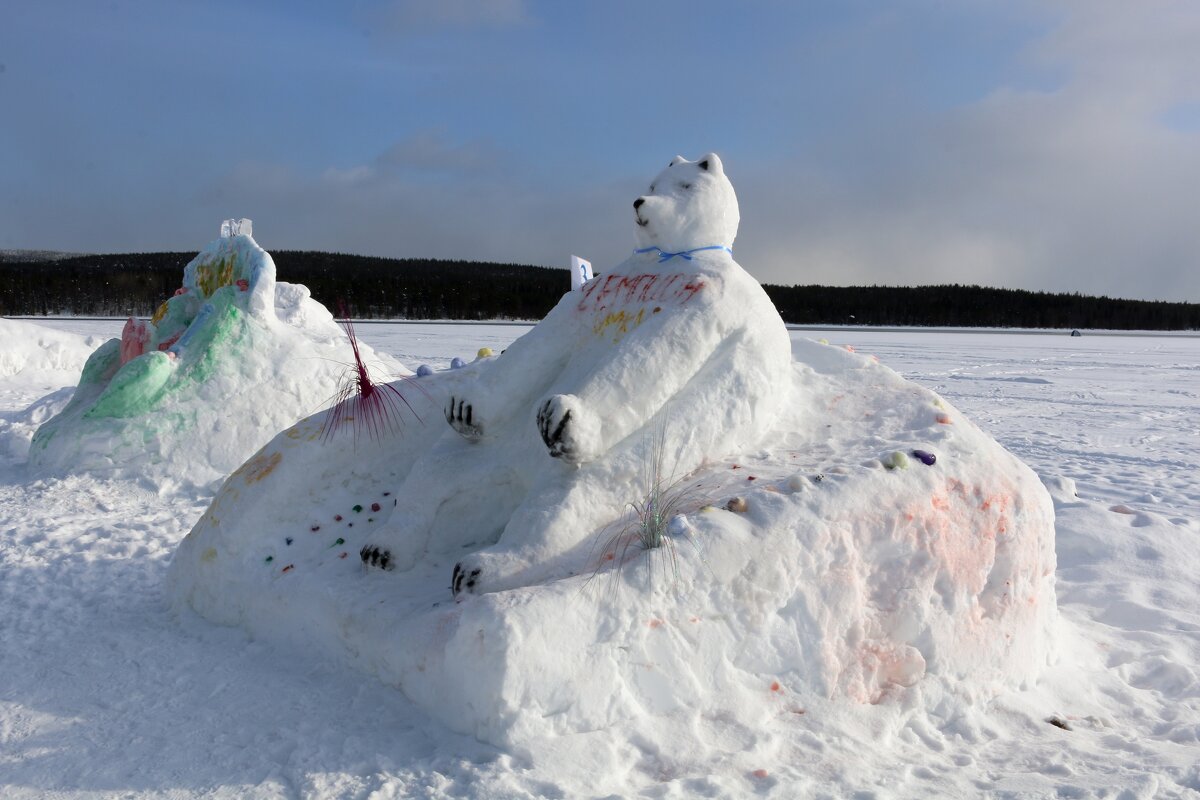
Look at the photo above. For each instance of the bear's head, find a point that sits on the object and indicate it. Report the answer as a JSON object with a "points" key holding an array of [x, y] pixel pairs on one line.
{"points": [[690, 204]]}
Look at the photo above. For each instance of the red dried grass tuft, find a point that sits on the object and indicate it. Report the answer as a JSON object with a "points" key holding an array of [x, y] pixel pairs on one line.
{"points": [[377, 408]]}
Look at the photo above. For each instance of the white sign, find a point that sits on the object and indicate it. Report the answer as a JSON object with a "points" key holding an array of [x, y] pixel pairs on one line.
{"points": [[581, 272]]}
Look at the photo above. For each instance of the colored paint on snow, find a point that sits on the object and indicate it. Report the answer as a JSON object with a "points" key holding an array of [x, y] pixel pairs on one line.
{"points": [[925, 457]]}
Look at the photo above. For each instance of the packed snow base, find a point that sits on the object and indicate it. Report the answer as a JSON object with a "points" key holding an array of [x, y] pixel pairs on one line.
{"points": [[188, 395], [842, 534]]}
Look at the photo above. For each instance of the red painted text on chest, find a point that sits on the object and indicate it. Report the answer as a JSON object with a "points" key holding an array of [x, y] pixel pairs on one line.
{"points": [[617, 291]]}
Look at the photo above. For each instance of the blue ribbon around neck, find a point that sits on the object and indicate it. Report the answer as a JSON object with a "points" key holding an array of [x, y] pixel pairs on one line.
{"points": [[663, 255]]}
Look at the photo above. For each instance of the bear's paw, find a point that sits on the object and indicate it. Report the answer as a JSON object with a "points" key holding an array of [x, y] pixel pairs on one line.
{"points": [[460, 414], [564, 425]]}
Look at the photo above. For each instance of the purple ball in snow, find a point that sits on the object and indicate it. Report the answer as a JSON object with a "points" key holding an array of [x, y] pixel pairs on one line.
{"points": [[424, 370], [457, 363], [925, 457]]}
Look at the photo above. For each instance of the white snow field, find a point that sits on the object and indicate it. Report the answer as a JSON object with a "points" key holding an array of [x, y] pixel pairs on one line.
{"points": [[106, 692]]}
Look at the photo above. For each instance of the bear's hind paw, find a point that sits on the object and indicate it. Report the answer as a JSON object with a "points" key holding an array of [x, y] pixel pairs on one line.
{"points": [[373, 556], [463, 580]]}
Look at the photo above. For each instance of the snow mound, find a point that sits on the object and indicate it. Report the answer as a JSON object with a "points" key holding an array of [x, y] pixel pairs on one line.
{"points": [[828, 529], [33, 348], [186, 396]]}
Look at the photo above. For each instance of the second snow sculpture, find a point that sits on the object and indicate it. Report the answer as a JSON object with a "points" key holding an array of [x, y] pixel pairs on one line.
{"points": [[186, 396]]}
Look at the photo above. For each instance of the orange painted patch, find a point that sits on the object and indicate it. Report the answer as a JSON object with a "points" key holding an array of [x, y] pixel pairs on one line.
{"points": [[656, 623], [759, 773], [944, 419], [775, 686], [259, 467]]}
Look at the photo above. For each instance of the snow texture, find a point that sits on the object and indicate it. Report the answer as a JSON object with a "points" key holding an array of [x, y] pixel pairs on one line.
{"points": [[187, 396], [105, 694], [503, 596]]}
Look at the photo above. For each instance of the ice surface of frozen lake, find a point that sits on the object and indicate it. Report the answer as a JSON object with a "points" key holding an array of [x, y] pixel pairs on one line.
{"points": [[103, 692]]}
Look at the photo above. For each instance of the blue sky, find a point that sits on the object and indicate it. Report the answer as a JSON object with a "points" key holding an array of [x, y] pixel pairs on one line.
{"points": [[1031, 145]]}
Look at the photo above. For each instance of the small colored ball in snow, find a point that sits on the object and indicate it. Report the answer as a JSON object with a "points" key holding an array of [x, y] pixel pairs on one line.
{"points": [[896, 460], [375, 506], [337, 517], [737, 504], [424, 370], [358, 509], [925, 457], [679, 525], [288, 540], [484, 352], [457, 363]]}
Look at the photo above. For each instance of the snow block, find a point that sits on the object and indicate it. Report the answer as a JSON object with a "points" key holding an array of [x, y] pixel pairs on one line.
{"points": [[514, 602], [186, 396]]}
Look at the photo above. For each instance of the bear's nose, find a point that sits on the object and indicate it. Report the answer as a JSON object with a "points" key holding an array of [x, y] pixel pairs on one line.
{"points": [[638, 203]]}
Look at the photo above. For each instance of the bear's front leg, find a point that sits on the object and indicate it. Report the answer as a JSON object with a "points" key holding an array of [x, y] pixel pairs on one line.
{"points": [[460, 413], [570, 431]]}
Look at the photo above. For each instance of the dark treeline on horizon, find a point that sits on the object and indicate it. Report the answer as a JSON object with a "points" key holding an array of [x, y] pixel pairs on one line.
{"points": [[373, 288]]}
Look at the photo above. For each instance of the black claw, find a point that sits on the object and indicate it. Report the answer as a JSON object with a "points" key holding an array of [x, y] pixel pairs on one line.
{"points": [[375, 557], [461, 416]]}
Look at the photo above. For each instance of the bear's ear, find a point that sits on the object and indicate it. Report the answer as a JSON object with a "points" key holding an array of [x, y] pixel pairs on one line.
{"points": [[676, 160], [712, 163]]}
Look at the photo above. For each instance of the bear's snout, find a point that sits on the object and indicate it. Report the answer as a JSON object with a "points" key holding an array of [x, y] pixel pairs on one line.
{"points": [[638, 203]]}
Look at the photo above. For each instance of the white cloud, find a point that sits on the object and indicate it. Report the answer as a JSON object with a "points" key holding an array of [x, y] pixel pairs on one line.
{"points": [[1083, 188]]}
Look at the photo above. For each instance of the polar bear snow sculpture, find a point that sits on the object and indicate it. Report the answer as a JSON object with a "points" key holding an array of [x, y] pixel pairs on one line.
{"points": [[846, 571], [677, 343]]}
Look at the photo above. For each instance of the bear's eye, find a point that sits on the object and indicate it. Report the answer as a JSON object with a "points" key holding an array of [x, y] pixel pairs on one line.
{"points": [[652, 188], [685, 186]]}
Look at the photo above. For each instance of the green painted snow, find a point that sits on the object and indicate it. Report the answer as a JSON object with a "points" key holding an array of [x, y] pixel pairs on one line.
{"points": [[136, 388], [102, 364]]}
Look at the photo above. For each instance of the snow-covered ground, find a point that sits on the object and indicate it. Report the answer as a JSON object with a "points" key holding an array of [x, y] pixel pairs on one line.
{"points": [[104, 692]]}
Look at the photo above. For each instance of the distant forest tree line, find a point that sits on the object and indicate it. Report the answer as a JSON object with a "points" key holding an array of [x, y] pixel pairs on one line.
{"points": [[376, 288]]}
